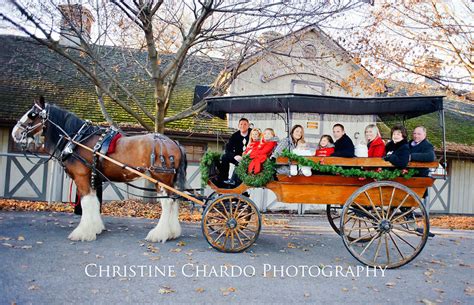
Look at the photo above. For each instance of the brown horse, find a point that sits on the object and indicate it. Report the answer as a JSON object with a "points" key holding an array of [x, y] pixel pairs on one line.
{"points": [[135, 151]]}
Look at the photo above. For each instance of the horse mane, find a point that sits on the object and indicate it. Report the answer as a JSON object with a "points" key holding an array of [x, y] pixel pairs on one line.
{"points": [[68, 121]]}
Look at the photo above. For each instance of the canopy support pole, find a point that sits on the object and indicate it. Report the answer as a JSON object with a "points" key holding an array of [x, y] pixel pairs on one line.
{"points": [[443, 127]]}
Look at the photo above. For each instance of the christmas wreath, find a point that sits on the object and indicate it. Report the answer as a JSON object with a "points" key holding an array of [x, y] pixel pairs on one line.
{"points": [[210, 158], [255, 180]]}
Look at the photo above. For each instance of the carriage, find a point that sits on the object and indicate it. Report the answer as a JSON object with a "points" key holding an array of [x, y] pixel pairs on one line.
{"points": [[382, 222], [381, 218]]}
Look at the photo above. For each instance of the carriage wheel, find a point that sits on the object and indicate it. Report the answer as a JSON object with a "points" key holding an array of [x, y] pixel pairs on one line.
{"points": [[398, 224], [333, 213], [231, 223]]}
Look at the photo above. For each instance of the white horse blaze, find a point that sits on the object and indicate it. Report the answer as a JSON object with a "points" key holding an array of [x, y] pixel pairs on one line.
{"points": [[168, 226], [91, 223], [16, 132]]}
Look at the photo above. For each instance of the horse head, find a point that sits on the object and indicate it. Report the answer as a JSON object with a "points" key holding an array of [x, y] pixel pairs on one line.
{"points": [[31, 123]]}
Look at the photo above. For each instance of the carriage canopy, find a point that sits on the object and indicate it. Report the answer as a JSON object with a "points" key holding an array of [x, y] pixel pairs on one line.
{"points": [[305, 103]]}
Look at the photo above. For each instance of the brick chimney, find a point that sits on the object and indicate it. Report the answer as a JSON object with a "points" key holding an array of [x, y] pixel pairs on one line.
{"points": [[76, 19]]}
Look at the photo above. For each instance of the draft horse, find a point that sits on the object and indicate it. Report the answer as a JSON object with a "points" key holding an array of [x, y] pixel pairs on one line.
{"points": [[138, 152]]}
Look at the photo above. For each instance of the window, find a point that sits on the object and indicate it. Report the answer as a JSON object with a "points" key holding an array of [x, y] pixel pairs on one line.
{"points": [[194, 152]]}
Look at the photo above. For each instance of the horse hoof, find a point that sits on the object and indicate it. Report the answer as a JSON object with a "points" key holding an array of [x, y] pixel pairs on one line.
{"points": [[82, 236], [156, 235]]}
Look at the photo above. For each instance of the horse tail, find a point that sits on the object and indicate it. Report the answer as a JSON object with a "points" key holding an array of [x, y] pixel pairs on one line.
{"points": [[180, 181]]}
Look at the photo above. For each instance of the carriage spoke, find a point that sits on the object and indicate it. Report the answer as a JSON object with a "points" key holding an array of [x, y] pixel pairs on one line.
{"points": [[386, 249], [226, 237], [381, 202], [372, 204], [355, 217], [408, 231], [363, 236], [238, 237], [219, 212], [404, 222], [249, 214], [225, 210], [398, 207], [223, 232], [378, 249], [370, 243], [232, 239], [237, 208], [238, 229], [359, 228], [405, 213], [404, 240], [396, 246], [366, 212], [390, 203]]}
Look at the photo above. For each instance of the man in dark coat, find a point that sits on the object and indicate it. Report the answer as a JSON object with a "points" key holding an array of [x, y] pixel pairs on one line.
{"points": [[343, 147], [421, 149], [234, 149]]}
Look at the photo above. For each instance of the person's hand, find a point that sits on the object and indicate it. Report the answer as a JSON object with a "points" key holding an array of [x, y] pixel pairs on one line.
{"points": [[238, 158]]}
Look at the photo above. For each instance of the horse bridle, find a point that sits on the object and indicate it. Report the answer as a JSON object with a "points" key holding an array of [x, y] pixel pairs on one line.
{"points": [[27, 128]]}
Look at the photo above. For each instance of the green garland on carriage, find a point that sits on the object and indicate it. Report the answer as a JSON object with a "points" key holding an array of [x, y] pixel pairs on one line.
{"points": [[211, 158]]}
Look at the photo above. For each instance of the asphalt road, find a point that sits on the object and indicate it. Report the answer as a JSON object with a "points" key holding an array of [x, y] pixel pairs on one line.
{"points": [[39, 265]]}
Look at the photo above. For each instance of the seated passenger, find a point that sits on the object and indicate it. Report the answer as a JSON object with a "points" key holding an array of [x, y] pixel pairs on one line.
{"points": [[397, 149], [262, 151], [255, 137], [375, 144], [343, 145], [325, 146], [297, 144], [421, 149], [296, 141]]}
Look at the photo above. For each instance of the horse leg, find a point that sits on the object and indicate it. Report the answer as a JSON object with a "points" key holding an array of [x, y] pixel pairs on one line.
{"points": [[175, 227], [91, 223], [168, 226]]}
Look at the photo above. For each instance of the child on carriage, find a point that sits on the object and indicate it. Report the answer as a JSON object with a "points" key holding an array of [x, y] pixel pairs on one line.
{"points": [[260, 153]]}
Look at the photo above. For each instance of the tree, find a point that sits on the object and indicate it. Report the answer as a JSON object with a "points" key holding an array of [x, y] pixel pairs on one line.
{"points": [[164, 29], [427, 42]]}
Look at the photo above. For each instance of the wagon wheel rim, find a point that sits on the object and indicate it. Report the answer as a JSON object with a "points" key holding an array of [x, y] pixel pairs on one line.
{"points": [[333, 213], [231, 223], [398, 228]]}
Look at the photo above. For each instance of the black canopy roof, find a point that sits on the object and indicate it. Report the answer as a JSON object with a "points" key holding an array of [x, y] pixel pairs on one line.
{"points": [[277, 103]]}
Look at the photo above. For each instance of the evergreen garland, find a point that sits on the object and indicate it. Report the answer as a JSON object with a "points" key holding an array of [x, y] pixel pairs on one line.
{"points": [[269, 169], [379, 174], [207, 160], [256, 180]]}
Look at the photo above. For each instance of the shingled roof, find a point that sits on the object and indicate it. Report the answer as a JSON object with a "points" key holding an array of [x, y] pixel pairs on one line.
{"points": [[28, 69]]}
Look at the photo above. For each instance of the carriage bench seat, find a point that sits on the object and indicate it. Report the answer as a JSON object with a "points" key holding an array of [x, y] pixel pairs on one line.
{"points": [[331, 189], [360, 162]]}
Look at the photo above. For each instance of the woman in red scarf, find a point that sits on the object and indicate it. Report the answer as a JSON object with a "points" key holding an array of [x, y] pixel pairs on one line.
{"points": [[375, 144], [259, 154]]}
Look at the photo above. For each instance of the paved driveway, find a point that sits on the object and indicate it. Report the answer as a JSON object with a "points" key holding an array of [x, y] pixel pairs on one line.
{"points": [[40, 265]]}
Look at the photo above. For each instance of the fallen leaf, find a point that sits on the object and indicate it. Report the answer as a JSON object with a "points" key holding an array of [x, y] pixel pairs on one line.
{"points": [[428, 302], [227, 291], [26, 247], [200, 290], [390, 284], [7, 245], [176, 250], [33, 287], [291, 245], [306, 294], [21, 238], [469, 290], [166, 290], [181, 244]]}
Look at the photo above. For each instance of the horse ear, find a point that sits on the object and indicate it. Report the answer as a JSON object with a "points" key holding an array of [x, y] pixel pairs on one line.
{"points": [[40, 102]]}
